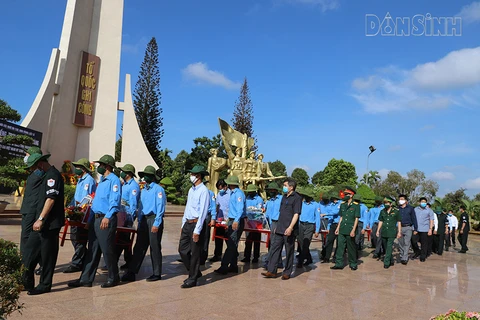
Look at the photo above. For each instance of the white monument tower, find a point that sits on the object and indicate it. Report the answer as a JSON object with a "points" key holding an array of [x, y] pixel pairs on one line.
{"points": [[76, 106]]}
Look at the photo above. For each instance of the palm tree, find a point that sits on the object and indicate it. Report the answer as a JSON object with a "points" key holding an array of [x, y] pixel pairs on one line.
{"points": [[472, 208], [370, 178]]}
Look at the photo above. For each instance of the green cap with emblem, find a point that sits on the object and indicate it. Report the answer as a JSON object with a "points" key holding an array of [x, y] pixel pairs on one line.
{"points": [[199, 169], [251, 188], [108, 160], [306, 192], [233, 181], [34, 158], [334, 195], [273, 186], [388, 199], [128, 168], [166, 181], [357, 197], [84, 163], [351, 189], [149, 170]]}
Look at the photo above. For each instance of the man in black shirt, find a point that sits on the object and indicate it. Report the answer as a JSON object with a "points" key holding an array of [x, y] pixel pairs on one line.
{"points": [[464, 227], [285, 232], [50, 217]]}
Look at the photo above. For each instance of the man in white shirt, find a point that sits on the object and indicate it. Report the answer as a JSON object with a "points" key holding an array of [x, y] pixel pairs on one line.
{"points": [[453, 226]]}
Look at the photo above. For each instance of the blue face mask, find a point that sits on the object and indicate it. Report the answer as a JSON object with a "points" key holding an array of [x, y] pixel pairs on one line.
{"points": [[285, 189], [423, 205], [449, 214], [221, 192]]}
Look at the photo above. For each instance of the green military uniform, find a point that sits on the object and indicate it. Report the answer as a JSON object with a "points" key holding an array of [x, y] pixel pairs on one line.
{"points": [[348, 214], [389, 229]]}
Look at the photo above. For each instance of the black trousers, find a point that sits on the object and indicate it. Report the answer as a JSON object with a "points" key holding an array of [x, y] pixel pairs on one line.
{"points": [[462, 238], [79, 238], [190, 251], [253, 238], [439, 242], [277, 243], [101, 241], [219, 242], [447, 241], [146, 239], [124, 238], [423, 238], [305, 234], [379, 247], [453, 236], [206, 242], [331, 237], [359, 237], [27, 227], [430, 244], [42, 246], [230, 258]]}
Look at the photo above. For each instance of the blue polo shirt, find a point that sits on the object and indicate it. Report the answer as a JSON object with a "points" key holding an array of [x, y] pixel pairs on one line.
{"points": [[222, 202], [107, 198], [272, 211], [236, 207], [86, 185], [153, 200], [311, 214], [131, 195]]}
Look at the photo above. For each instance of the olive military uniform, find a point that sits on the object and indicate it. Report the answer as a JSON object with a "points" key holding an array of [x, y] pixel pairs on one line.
{"points": [[389, 229], [44, 243], [348, 214], [463, 237], [29, 207]]}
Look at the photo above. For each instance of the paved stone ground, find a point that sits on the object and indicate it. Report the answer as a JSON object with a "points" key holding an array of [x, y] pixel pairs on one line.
{"points": [[416, 291]]}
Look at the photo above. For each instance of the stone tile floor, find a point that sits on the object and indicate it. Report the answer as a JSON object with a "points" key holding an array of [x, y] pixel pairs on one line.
{"points": [[416, 291]]}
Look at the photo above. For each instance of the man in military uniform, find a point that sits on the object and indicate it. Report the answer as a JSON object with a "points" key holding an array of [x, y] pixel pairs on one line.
{"points": [[308, 226], [130, 199], [464, 228], [150, 227], [30, 199], [332, 214], [103, 220], [363, 222], [391, 227], [253, 238], [50, 217], [85, 186], [236, 224], [440, 231], [346, 229]]}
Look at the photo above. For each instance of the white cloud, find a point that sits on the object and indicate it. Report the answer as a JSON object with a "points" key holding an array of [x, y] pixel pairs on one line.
{"points": [[441, 148], [383, 173], [324, 5], [470, 12], [472, 184], [452, 80], [443, 175], [133, 48], [199, 73]]}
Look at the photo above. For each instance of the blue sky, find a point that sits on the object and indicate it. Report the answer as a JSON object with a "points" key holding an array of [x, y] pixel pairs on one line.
{"points": [[321, 88]]}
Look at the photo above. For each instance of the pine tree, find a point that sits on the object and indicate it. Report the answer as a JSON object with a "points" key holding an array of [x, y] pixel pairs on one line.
{"points": [[243, 113], [146, 101], [11, 169]]}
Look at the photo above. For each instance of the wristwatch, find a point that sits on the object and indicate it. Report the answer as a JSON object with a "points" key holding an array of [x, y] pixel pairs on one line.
{"points": [[40, 219]]}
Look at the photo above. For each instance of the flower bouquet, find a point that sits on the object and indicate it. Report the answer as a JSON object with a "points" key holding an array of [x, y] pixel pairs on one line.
{"points": [[453, 314], [74, 213]]}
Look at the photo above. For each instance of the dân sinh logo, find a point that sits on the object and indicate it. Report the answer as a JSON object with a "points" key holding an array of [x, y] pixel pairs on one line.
{"points": [[418, 25]]}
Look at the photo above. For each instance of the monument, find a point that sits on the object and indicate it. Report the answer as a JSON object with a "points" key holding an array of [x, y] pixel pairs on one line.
{"points": [[248, 170], [76, 105]]}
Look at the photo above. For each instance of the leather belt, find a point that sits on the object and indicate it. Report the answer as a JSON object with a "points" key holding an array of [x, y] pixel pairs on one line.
{"points": [[192, 220], [406, 225], [274, 220], [99, 215], [306, 222], [150, 216]]}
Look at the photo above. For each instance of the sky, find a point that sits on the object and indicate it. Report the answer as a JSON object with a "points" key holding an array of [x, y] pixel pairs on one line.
{"points": [[327, 78]]}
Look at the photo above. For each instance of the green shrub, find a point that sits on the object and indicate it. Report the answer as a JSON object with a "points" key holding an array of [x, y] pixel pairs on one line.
{"points": [[69, 193], [11, 270]]}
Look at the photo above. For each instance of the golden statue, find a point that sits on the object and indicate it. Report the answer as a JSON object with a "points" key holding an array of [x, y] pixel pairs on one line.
{"points": [[215, 166]]}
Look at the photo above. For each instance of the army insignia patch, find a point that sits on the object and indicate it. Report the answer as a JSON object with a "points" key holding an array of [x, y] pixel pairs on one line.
{"points": [[50, 182], [115, 188], [160, 195], [86, 186], [134, 192], [239, 199], [213, 198]]}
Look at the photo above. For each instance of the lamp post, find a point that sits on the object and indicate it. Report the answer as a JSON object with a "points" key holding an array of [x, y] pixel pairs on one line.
{"points": [[372, 150]]}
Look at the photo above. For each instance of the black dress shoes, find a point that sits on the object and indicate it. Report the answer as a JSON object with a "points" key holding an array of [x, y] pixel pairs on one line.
{"points": [[154, 278], [128, 277], [35, 292], [78, 284], [187, 285], [110, 284], [336, 268], [72, 269]]}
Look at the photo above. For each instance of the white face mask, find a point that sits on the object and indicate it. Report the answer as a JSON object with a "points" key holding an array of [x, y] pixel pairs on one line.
{"points": [[25, 159], [193, 179], [401, 202]]}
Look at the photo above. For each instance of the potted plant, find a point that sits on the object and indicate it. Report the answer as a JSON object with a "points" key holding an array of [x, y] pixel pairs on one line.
{"points": [[11, 270]]}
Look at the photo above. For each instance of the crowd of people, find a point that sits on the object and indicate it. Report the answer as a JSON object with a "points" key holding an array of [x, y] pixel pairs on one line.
{"points": [[292, 214]]}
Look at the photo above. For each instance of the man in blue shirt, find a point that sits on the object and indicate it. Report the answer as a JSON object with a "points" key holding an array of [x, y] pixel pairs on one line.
{"points": [[409, 223], [253, 200], [130, 199], [211, 212], [333, 218], [374, 221], [272, 212], [323, 206], [220, 214], [309, 224], [103, 220], [363, 222], [236, 224], [150, 227], [423, 230], [86, 185], [192, 237]]}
